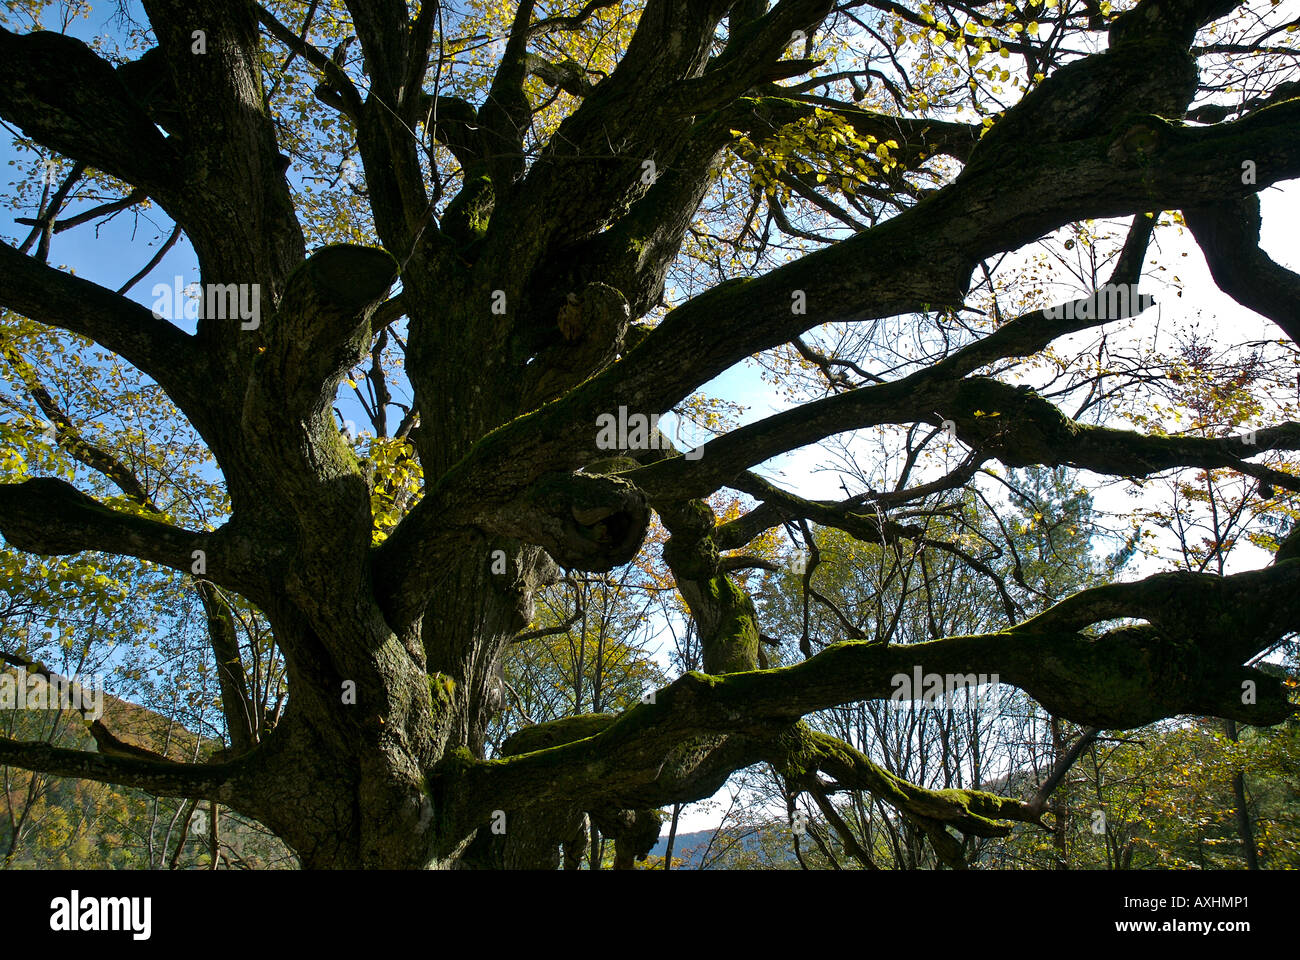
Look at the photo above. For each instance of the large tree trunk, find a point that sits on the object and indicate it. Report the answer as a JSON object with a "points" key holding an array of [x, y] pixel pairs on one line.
{"points": [[522, 298]]}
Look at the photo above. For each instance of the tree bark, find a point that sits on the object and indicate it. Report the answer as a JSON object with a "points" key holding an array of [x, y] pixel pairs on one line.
{"points": [[393, 651]]}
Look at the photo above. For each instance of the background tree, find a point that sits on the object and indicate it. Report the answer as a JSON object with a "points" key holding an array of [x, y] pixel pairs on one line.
{"points": [[498, 229]]}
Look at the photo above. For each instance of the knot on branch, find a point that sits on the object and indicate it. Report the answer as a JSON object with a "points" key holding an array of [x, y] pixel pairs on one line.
{"points": [[342, 278], [723, 612], [585, 522], [690, 552], [1138, 142], [592, 326], [1014, 424], [635, 833], [321, 326]]}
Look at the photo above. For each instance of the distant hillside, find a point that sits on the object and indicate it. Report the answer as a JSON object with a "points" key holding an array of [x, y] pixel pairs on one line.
{"points": [[764, 847], [60, 823], [687, 847]]}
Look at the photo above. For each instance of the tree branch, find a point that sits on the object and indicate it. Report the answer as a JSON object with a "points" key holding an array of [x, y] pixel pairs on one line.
{"points": [[150, 343], [51, 517], [683, 744], [63, 95], [349, 101], [1228, 235], [162, 779]]}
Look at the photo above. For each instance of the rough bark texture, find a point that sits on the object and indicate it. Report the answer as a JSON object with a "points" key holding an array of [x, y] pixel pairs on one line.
{"points": [[580, 244]]}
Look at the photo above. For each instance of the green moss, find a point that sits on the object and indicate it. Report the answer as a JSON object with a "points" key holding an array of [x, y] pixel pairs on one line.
{"points": [[469, 214], [731, 645], [611, 465], [565, 730], [459, 759], [442, 688]]}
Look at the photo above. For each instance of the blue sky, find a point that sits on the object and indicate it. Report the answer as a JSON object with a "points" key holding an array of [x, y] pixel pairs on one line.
{"points": [[113, 251]]}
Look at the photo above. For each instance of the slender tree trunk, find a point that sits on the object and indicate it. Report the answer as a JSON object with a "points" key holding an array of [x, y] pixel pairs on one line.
{"points": [[1060, 806], [672, 837], [1245, 829]]}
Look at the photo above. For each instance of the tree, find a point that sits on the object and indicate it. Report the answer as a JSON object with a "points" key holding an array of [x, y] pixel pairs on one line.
{"points": [[1034, 551], [591, 210]]}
